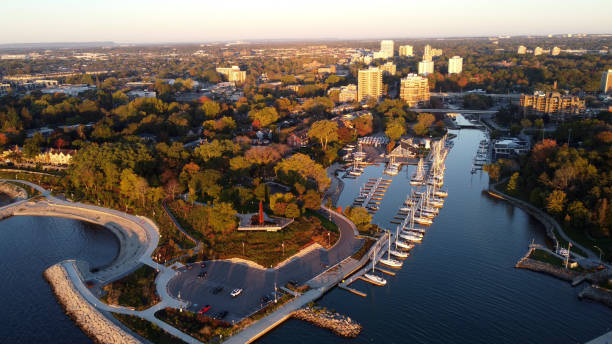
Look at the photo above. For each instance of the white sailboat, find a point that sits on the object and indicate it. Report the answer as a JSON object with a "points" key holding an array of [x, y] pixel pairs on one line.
{"points": [[390, 261], [375, 279]]}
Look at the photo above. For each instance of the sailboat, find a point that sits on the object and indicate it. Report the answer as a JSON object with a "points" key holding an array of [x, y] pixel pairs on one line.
{"points": [[392, 168], [419, 175], [395, 252], [390, 261], [375, 279]]}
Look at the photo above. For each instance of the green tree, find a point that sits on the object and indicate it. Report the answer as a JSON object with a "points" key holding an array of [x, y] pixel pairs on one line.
{"points": [[211, 109], [325, 131], [359, 216], [395, 128], [263, 117], [312, 200], [292, 210]]}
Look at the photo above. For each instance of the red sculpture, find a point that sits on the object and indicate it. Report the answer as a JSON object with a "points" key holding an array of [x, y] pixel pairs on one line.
{"points": [[261, 217]]}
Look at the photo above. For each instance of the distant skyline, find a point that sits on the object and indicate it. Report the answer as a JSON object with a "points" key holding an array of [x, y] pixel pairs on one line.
{"points": [[156, 21]]}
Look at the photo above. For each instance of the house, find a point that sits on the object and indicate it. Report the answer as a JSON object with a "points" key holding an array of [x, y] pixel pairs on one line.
{"points": [[298, 139], [54, 156]]}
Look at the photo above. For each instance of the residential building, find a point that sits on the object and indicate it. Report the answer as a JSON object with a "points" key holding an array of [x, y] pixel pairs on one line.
{"points": [[555, 51], [386, 47], [427, 53], [551, 103], [426, 67], [522, 50], [537, 51], [331, 69], [606, 82], [414, 90], [506, 147], [71, 90], [233, 74], [53, 156], [133, 94], [405, 50], [455, 65], [348, 93], [388, 67], [298, 139], [369, 83]]}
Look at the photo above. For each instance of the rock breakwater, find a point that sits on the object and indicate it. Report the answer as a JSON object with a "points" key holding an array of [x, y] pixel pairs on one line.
{"points": [[90, 320], [337, 323]]}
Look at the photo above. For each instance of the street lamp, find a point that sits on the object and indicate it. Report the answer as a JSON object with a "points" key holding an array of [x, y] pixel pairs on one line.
{"points": [[328, 239], [283, 244], [600, 253], [243, 248]]}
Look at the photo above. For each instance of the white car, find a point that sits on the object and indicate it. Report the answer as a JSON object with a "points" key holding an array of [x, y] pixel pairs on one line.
{"points": [[236, 292]]}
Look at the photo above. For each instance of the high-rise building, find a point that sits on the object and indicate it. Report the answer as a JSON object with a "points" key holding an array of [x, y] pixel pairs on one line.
{"points": [[522, 50], [455, 65], [369, 83], [405, 50], [427, 53], [386, 47], [414, 90], [606, 82], [552, 103], [426, 67], [555, 51], [388, 67], [233, 74], [537, 51]]}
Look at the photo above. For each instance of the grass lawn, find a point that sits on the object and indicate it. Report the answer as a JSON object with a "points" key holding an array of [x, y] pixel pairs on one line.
{"points": [[264, 248], [198, 326], [147, 330], [546, 257], [135, 290]]}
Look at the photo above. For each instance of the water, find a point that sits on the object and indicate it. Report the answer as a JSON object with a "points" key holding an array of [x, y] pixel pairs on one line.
{"points": [[29, 312], [460, 285]]}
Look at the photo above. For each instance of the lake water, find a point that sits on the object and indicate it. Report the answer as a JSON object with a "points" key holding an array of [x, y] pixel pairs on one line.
{"points": [[29, 311], [460, 284]]}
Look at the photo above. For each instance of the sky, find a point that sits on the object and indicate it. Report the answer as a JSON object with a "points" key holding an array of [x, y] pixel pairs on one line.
{"points": [[157, 21]]}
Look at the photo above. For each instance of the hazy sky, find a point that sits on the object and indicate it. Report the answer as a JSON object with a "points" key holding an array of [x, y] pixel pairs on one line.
{"points": [[209, 20]]}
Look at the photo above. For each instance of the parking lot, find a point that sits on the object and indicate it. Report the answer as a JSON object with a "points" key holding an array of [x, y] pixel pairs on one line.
{"points": [[255, 282]]}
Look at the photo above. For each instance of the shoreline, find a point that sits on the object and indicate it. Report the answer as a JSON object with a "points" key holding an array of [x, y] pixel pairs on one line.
{"points": [[91, 321]]}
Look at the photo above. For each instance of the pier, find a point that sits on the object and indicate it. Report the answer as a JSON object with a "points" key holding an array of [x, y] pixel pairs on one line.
{"points": [[372, 193]]}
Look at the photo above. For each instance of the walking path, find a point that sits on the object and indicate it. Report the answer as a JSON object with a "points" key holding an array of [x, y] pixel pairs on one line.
{"points": [[546, 219]]}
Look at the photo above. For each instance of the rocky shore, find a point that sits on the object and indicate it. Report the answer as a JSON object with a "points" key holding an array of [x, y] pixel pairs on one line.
{"points": [[535, 265], [339, 324], [90, 320], [598, 294], [13, 191]]}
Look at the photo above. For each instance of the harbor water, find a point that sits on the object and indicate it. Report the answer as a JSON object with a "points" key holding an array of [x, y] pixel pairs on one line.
{"points": [[460, 284], [29, 311]]}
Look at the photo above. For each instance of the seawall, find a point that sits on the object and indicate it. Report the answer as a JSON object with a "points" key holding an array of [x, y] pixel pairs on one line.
{"points": [[13, 191], [597, 294], [91, 321], [340, 325]]}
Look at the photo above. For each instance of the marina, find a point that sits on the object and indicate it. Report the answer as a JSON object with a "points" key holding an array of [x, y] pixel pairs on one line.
{"points": [[371, 193]]}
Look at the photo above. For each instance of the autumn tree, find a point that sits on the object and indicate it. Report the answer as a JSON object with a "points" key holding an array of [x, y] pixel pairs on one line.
{"points": [[325, 131], [555, 202]]}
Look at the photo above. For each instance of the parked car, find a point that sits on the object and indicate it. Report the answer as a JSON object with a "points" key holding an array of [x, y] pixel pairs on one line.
{"points": [[203, 274], [204, 309], [217, 290], [236, 292], [202, 265]]}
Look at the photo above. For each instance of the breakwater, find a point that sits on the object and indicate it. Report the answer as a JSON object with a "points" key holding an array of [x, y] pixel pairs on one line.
{"points": [[91, 321], [598, 294], [337, 323], [13, 191], [535, 265]]}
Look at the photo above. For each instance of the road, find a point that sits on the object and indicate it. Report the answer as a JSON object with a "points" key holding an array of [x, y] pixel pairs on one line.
{"points": [[257, 282]]}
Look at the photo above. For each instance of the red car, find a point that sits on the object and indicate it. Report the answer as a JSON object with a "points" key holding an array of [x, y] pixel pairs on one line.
{"points": [[204, 309]]}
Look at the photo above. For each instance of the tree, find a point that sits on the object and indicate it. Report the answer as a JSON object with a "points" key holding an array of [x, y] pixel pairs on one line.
{"points": [[395, 128], [263, 117], [555, 202], [303, 166], [292, 210], [359, 216], [325, 131], [312, 200], [494, 171], [211, 109], [512, 186]]}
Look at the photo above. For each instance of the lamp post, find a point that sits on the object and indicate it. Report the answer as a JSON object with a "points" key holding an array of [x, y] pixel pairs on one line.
{"points": [[328, 239], [283, 245], [243, 248], [600, 253]]}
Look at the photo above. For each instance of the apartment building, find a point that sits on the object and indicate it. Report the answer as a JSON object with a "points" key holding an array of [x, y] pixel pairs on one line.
{"points": [[455, 65], [551, 103], [414, 90], [369, 83], [233, 74], [426, 67], [406, 50]]}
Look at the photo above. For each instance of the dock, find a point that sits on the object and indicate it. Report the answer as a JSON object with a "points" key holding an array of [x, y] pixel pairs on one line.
{"points": [[371, 193]]}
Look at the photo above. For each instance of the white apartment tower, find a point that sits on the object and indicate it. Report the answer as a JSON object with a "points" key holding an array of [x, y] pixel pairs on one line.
{"points": [[455, 65], [414, 90], [369, 83], [606, 82], [386, 47], [406, 50], [426, 67]]}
